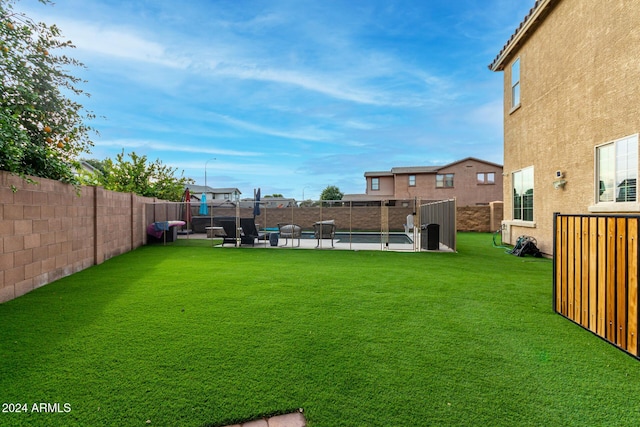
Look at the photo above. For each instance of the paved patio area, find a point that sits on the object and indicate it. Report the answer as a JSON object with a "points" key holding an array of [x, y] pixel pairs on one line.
{"points": [[325, 244]]}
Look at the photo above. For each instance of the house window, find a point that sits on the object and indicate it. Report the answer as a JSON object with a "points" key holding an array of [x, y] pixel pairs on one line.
{"points": [[375, 183], [617, 170], [444, 180], [515, 83], [523, 194], [486, 177], [412, 180]]}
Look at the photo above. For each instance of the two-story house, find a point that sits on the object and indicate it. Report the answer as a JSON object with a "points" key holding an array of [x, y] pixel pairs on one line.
{"points": [[214, 196], [470, 181], [571, 122]]}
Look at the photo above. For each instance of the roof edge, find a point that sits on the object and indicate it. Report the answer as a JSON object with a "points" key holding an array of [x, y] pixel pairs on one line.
{"points": [[475, 159], [536, 14]]}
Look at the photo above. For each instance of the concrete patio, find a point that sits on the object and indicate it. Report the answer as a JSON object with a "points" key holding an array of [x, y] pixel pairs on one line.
{"points": [[325, 244]]}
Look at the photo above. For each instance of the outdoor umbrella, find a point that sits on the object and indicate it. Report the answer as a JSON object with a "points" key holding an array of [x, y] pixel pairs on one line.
{"points": [[186, 199], [203, 205], [256, 204]]}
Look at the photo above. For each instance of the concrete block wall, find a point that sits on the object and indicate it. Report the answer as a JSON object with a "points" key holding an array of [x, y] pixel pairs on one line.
{"points": [[361, 218], [473, 218], [484, 218], [49, 230]]}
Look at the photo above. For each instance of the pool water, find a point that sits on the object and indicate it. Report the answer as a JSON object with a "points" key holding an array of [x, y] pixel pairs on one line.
{"points": [[364, 237]]}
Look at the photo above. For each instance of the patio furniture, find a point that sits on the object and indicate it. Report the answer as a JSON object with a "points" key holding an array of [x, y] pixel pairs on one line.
{"points": [[290, 231], [408, 227], [163, 231], [249, 231], [324, 230], [231, 232], [213, 232]]}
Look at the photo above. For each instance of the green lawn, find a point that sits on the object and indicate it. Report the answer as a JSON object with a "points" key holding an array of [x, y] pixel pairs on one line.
{"points": [[202, 336]]}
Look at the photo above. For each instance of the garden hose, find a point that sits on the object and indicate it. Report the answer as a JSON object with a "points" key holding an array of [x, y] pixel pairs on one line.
{"points": [[495, 245]]}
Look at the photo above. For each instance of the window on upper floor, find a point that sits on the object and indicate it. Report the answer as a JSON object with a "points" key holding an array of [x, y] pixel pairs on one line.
{"points": [[515, 83], [444, 180], [617, 170], [486, 177], [375, 184], [523, 194], [412, 180]]}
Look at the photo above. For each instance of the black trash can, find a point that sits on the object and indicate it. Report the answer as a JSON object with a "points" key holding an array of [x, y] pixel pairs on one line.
{"points": [[430, 237], [273, 239]]}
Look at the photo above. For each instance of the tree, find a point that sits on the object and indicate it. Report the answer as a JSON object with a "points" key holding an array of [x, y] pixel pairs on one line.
{"points": [[42, 131], [331, 192], [142, 178]]}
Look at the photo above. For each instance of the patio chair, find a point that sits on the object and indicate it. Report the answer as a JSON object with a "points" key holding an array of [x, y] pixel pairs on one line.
{"points": [[408, 227], [230, 231], [249, 231], [290, 231], [324, 230]]}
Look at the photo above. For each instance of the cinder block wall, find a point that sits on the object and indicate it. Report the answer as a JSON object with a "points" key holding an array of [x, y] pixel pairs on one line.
{"points": [[473, 218], [49, 230], [485, 218], [361, 218]]}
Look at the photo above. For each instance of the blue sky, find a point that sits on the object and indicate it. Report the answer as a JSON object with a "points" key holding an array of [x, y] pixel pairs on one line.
{"points": [[290, 95]]}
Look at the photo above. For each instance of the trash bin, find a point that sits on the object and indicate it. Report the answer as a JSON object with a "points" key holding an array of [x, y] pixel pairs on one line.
{"points": [[430, 237], [273, 238]]}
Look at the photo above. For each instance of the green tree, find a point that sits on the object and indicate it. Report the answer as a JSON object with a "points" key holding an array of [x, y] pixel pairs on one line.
{"points": [[138, 176], [42, 131], [331, 192]]}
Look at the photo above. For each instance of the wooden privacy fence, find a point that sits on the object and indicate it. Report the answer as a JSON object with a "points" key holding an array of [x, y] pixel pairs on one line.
{"points": [[596, 275]]}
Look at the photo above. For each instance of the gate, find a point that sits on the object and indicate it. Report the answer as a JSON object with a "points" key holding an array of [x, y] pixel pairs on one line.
{"points": [[595, 282]]}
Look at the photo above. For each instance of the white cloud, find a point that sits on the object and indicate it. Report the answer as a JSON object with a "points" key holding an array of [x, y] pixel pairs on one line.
{"points": [[305, 134], [120, 43], [178, 148]]}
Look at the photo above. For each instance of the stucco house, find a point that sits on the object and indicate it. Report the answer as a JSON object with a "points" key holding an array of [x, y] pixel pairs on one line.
{"points": [[571, 122], [470, 181]]}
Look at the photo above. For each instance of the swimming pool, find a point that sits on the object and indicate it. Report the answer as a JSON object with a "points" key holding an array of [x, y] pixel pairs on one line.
{"points": [[364, 237]]}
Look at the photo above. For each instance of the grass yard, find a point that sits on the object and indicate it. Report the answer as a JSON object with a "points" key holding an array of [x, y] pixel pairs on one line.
{"points": [[202, 336]]}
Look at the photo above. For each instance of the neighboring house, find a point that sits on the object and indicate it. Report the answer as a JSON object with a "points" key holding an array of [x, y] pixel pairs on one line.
{"points": [[470, 181], [214, 195], [269, 202], [86, 167], [571, 122]]}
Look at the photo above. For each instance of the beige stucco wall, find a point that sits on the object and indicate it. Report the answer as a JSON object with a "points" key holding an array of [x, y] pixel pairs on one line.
{"points": [[580, 87]]}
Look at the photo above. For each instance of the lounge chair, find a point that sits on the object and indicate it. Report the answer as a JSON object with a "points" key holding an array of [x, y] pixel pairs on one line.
{"points": [[290, 231], [324, 230], [249, 231], [230, 231]]}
